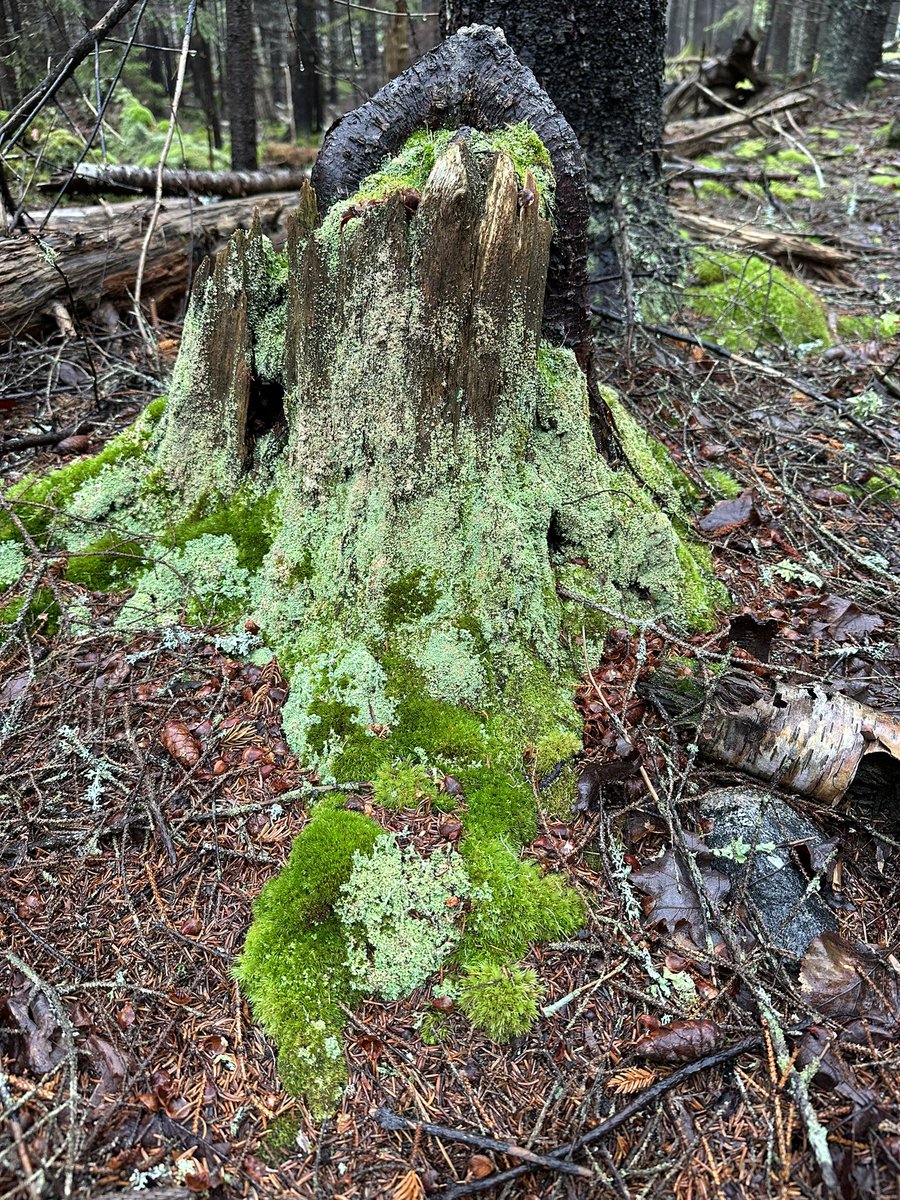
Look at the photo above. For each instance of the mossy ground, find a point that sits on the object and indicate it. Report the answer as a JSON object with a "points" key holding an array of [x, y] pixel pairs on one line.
{"points": [[752, 302], [411, 598]]}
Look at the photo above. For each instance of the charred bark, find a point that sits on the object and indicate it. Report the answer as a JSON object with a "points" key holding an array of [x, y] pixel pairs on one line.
{"points": [[601, 62], [474, 79], [123, 179], [240, 84]]}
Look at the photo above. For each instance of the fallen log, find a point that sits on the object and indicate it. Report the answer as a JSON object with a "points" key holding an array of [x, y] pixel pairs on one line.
{"points": [[733, 78], [688, 138], [91, 179], [806, 739], [779, 246], [93, 254]]}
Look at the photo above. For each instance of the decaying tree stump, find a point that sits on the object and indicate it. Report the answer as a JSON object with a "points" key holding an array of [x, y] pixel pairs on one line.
{"points": [[377, 454]]}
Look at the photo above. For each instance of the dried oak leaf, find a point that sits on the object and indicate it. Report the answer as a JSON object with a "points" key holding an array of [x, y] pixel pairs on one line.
{"points": [[31, 1016], [841, 619], [680, 1041], [731, 514], [853, 986], [674, 901], [177, 739]]}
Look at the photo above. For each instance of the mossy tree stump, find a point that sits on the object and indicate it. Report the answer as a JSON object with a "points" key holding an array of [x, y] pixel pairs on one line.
{"points": [[372, 450]]}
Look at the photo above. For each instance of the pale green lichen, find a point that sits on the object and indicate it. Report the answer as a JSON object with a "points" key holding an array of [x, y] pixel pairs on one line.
{"points": [[401, 914], [12, 563], [201, 582]]}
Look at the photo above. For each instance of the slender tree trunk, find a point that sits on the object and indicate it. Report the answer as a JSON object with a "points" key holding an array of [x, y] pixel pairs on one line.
{"points": [[396, 42], [369, 57], [334, 54], [601, 62], [851, 44], [204, 86], [780, 36], [9, 87], [306, 71], [240, 84]]}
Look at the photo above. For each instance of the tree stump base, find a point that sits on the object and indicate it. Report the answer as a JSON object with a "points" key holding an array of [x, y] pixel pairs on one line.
{"points": [[370, 455]]}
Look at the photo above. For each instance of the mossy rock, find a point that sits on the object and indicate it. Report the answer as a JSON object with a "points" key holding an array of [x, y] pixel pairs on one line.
{"points": [[752, 302]]}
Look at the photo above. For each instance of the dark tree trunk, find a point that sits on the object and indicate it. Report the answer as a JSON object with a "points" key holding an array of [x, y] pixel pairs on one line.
{"points": [[780, 34], [851, 44], [240, 84], [306, 78], [601, 62], [335, 65], [204, 86], [8, 84], [369, 57]]}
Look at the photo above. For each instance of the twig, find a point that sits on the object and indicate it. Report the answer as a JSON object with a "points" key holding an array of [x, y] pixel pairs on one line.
{"points": [[164, 154], [648, 1096], [31, 1176], [388, 1119]]}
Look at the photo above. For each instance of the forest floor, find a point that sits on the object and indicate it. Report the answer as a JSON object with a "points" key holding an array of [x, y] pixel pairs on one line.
{"points": [[149, 795]]}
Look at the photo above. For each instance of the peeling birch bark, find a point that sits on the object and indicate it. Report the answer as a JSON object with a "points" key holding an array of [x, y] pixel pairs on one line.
{"points": [[806, 739]]}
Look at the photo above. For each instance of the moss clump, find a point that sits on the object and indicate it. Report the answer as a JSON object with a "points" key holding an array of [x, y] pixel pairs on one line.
{"points": [[869, 328], [720, 483], [294, 968], [401, 915], [752, 301], [501, 1000], [400, 785], [107, 564], [520, 905]]}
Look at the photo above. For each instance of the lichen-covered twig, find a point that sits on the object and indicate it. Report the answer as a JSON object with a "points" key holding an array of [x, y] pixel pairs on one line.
{"points": [[390, 1120]]}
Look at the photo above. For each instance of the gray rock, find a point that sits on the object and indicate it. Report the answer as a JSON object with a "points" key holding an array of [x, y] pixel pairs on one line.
{"points": [[757, 835]]}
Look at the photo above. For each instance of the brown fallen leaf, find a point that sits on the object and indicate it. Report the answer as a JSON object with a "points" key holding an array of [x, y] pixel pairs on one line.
{"points": [[853, 986], [841, 619], [731, 514], [479, 1167], [680, 1041], [673, 900], [180, 743]]}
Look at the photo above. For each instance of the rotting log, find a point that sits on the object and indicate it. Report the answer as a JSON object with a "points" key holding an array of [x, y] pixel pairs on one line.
{"points": [[807, 739], [785, 248], [124, 179], [93, 255], [690, 138]]}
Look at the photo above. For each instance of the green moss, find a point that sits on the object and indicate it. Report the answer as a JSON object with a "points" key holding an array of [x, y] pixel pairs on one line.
{"points": [[39, 501], [248, 518], [720, 483], [280, 1140], [863, 328], [400, 785], [521, 905], [751, 301], [294, 967], [885, 180], [42, 616], [501, 1000], [106, 564]]}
